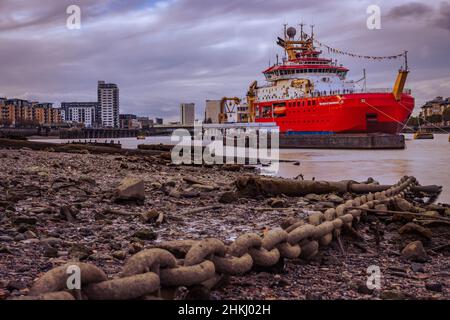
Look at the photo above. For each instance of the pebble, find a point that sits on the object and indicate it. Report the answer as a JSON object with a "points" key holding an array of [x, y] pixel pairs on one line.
{"points": [[434, 286], [145, 234]]}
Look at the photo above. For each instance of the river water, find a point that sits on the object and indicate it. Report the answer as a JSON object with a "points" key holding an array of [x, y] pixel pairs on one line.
{"points": [[427, 160]]}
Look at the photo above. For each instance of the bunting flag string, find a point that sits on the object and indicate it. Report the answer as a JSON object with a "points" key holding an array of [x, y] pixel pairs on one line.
{"points": [[377, 58]]}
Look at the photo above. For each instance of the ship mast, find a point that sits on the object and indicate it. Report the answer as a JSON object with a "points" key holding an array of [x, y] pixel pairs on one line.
{"points": [[285, 39]]}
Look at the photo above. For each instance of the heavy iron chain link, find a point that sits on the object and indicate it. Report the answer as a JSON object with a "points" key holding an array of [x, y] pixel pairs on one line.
{"points": [[207, 261]]}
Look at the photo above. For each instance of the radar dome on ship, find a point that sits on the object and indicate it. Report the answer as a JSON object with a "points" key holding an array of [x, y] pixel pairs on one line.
{"points": [[291, 32]]}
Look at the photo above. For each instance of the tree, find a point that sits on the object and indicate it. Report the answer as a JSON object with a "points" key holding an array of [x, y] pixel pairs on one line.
{"points": [[446, 114], [435, 118], [415, 121]]}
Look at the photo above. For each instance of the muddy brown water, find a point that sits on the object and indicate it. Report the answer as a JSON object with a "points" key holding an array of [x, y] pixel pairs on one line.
{"points": [[427, 160]]}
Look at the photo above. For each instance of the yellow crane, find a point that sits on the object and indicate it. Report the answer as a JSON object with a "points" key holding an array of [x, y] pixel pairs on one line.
{"points": [[251, 97], [226, 108]]}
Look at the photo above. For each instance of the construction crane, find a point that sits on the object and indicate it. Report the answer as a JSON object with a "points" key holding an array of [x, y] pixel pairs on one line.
{"points": [[226, 108], [251, 97]]}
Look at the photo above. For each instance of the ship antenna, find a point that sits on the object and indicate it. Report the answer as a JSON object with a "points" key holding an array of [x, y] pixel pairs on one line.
{"points": [[312, 32], [301, 31], [406, 60], [285, 39], [365, 80]]}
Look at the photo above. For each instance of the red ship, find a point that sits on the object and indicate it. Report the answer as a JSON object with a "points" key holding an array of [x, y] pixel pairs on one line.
{"points": [[309, 94]]}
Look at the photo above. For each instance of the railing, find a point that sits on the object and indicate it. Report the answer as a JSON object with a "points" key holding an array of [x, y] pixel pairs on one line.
{"points": [[349, 91], [379, 90]]}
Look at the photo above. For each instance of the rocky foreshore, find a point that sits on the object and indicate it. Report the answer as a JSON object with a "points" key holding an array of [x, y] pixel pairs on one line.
{"points": [[57, 207]]}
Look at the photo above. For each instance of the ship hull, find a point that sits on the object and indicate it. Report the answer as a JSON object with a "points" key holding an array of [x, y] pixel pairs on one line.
{"points": [[347, 113]]}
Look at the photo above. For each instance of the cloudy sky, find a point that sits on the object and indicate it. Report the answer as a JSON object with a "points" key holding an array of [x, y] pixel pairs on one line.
{"points": [[162, 53]]}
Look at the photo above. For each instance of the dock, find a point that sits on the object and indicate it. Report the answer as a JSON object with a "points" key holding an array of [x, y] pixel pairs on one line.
{"points": [[342, 141]]}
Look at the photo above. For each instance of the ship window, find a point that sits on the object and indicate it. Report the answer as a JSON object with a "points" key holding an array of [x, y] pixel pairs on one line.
{"points": [[309, 103]]}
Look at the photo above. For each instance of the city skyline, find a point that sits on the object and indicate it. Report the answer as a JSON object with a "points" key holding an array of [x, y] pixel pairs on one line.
{"points": [[161, 54]]}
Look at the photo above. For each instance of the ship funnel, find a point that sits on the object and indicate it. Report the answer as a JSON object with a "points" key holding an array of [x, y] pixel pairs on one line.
{"points": [[399, 84]]}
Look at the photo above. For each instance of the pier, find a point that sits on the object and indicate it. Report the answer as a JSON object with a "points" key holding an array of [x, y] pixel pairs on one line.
{"points": [[98, 133], [342, 141]]}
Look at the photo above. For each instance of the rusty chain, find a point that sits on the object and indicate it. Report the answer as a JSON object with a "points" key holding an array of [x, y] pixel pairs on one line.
{"points": [[151, 271]]}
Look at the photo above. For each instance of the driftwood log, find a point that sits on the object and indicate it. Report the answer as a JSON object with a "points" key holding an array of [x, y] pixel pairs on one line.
{"points": [[74, 148], [256, 186]]}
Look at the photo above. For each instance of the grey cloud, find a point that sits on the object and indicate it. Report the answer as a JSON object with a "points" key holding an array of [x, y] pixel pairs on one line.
{"points": [[413, 9], [437, 17], [443, 19]]}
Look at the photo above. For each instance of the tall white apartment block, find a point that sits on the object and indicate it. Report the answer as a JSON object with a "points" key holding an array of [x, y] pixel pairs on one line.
{"points": [[187, 113], [108, 100]]}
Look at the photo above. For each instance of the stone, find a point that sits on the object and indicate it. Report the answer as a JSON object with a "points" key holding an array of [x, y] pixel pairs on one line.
{"points": [[15, 285], [313, 197], [417, 267], [361, 287], [278, 203], [414, 251], [24, 220], [170, 184], [130, 189], [204, 187], [50, 252], [232, 167], [436, 207], [5, 238], [335, 199], [20, 237], [415, 228], [4, 249], [324, 204], [392, 295], [402, 204], [228, 197], [433, 286], [432, 214], [30, 234], [156, 185], [80, 251], [380, 208], [119, 254], [149, 216], [447, 212], [189, 194], [145, 234], [3, 294]]}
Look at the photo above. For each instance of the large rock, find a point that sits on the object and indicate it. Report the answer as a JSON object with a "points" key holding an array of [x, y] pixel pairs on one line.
{"points": [[414, 251], [130, 189]]}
